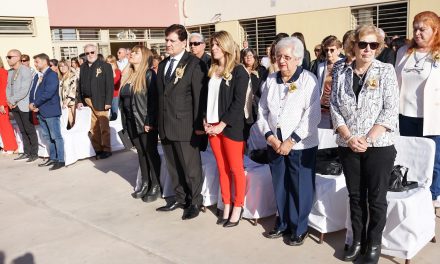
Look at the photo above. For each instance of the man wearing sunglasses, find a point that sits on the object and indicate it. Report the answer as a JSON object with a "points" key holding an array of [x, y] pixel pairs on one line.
{"points": [[96, 91], [17, 94], [197, 46]]}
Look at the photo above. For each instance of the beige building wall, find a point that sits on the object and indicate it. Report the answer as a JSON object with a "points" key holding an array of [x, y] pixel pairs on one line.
{"points": [[233, 27], [417, 6], [31, 45], [316, 25]]}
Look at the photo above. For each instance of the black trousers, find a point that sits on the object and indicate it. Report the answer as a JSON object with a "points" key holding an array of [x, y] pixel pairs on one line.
{"points": [[185, 169], [149, 159], [27, 130], [367, 175]]}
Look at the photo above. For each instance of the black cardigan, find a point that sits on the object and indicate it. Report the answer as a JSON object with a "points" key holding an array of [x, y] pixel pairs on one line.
{"points": [[232, 98]]}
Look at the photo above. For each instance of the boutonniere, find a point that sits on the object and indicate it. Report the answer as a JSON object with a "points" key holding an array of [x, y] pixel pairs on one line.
{"points": [[436, 60], [373, 83], [98, 71], [179, 73], [255, 73], [227, 76], [40, 79], [292, 87]]}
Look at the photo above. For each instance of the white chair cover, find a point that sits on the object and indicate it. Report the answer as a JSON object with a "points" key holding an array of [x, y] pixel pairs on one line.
{"points": [[115, 127], [410, 215], [43, 150], [77, 144]]}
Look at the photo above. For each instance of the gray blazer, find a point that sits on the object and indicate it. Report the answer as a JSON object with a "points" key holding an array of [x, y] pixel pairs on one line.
{"points": [[17, 91]]}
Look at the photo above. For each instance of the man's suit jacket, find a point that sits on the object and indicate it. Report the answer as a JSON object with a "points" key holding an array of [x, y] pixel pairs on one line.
{"points": [[101, 84], [180, 100], [46, 97]]}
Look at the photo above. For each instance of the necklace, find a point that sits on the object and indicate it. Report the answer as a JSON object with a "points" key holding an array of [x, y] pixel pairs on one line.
{"points": [[416, 65], [361, 75]]}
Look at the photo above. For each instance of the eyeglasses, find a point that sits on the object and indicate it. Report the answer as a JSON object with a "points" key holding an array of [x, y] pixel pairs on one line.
{"points": [[195, 43], [317, 50], [286, 58], [10, 57], [363, 45], [331, 50], [24, 60], [91, 52]]}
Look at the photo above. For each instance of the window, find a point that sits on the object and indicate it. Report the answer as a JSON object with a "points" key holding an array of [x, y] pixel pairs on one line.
{"points": [[127, 34], [156, 33], [391, 17], [259, 33], [16, 26], [68, 53], [205, 30], [89, 34], [59, 34]]}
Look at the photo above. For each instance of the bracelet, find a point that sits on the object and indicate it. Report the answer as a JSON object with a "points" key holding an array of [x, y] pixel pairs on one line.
{"points": [[349, 138]]}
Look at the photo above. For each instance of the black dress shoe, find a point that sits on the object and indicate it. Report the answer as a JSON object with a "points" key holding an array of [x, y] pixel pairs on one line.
{"points": [[142, 192], [191, 212], [47, 163], [57, 165], [353, 252], [32, 158], [275, 233], [22, 157], [171, 207], [298, 240], [104, 155], [372, 255], [232, 224], [152, 194]]}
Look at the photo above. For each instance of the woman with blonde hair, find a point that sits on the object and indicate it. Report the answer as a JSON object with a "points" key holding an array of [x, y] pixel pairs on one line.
{"points": [[138, 107], [117, 84], [225, 122], [418, 74], [68, 84]]}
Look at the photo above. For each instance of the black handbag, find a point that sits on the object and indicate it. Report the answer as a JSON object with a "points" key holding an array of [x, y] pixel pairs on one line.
{"points": [[399, 180], [327, 162]]}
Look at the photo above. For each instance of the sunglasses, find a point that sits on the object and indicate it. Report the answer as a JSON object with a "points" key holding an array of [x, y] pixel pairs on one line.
{"points": [[10, 57], [195, 43], [91, 52], [331, 50], [24, 60], [363, 45]]}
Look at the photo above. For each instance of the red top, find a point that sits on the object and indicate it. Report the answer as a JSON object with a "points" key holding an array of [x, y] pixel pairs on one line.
{"points": [[117, 82], [3, 83]]}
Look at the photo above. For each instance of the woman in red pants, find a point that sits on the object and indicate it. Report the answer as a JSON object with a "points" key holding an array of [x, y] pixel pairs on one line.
{"points": [[225, 122], [6, 131]]}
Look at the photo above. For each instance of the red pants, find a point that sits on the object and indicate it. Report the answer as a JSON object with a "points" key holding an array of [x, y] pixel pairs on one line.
{"points": [[7, 132], [229, 156]]}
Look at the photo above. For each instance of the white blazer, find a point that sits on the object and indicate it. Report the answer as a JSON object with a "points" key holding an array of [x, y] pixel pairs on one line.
{"points": [[302, 110], [431, 97]]}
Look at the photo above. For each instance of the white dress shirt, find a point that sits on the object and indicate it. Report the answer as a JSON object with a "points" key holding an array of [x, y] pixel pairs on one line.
{"points": [[176, 58]]}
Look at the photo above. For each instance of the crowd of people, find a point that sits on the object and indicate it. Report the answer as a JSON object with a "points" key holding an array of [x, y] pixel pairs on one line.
{"points": [[366, 87]]}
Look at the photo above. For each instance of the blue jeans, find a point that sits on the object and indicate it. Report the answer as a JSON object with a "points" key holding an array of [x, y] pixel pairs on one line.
{"points": [[413, 127], [51, 130], [114, 109]]}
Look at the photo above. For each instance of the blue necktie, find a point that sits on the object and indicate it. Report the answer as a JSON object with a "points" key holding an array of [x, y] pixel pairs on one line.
{"points": [[169, 71]]}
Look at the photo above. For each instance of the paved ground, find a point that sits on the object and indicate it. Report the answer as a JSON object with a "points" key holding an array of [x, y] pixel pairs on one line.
{"points": [[85, 214]]}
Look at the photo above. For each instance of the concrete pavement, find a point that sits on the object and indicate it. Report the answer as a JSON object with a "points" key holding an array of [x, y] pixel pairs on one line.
{"points": [[85, 214]]}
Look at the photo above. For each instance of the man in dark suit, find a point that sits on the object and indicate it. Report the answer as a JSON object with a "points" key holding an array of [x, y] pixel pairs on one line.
{"points": [[180, 80], [96, 91], [44, 99]]}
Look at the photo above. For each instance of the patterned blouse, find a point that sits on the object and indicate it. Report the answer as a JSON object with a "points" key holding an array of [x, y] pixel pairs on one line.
{"points": [[378, 102]]}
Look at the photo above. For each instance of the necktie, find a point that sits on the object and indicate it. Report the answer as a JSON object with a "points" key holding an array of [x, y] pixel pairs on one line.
{"points": [[169, 71]]}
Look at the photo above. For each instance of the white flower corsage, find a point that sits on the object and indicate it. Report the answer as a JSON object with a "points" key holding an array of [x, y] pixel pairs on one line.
{"points": [[179, 73], [227, 76], [436, 60], [372, 83], [98, 71]]}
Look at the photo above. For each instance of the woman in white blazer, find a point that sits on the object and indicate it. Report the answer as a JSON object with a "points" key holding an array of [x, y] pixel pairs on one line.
{"points": [[288, 115], [418, 75]]}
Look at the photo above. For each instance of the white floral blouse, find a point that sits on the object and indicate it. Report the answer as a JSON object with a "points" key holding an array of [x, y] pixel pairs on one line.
{"points": [[378, 102]]}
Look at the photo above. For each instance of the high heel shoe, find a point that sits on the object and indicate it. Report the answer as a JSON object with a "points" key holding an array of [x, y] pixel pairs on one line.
{"points": [[222, 221], [232, 224]]}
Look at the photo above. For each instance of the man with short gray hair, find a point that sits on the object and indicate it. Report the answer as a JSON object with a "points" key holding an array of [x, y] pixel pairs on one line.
{"points": [[95, 88], [197, 46], [122, 58]]}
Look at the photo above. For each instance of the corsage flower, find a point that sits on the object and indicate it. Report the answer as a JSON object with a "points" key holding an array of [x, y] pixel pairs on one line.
{"points": [[98, 71], [255, 73], [436, 60], [372, 83], [179, 73], [227, 76], [292, 87]]}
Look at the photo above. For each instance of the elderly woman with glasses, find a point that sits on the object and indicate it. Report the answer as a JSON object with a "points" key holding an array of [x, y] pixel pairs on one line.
{"points": [[418, 74], [289, 114], [364, 109]]}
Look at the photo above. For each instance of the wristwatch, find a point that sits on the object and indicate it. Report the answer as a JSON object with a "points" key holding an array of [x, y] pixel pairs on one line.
{"points": [[292, 140]]}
